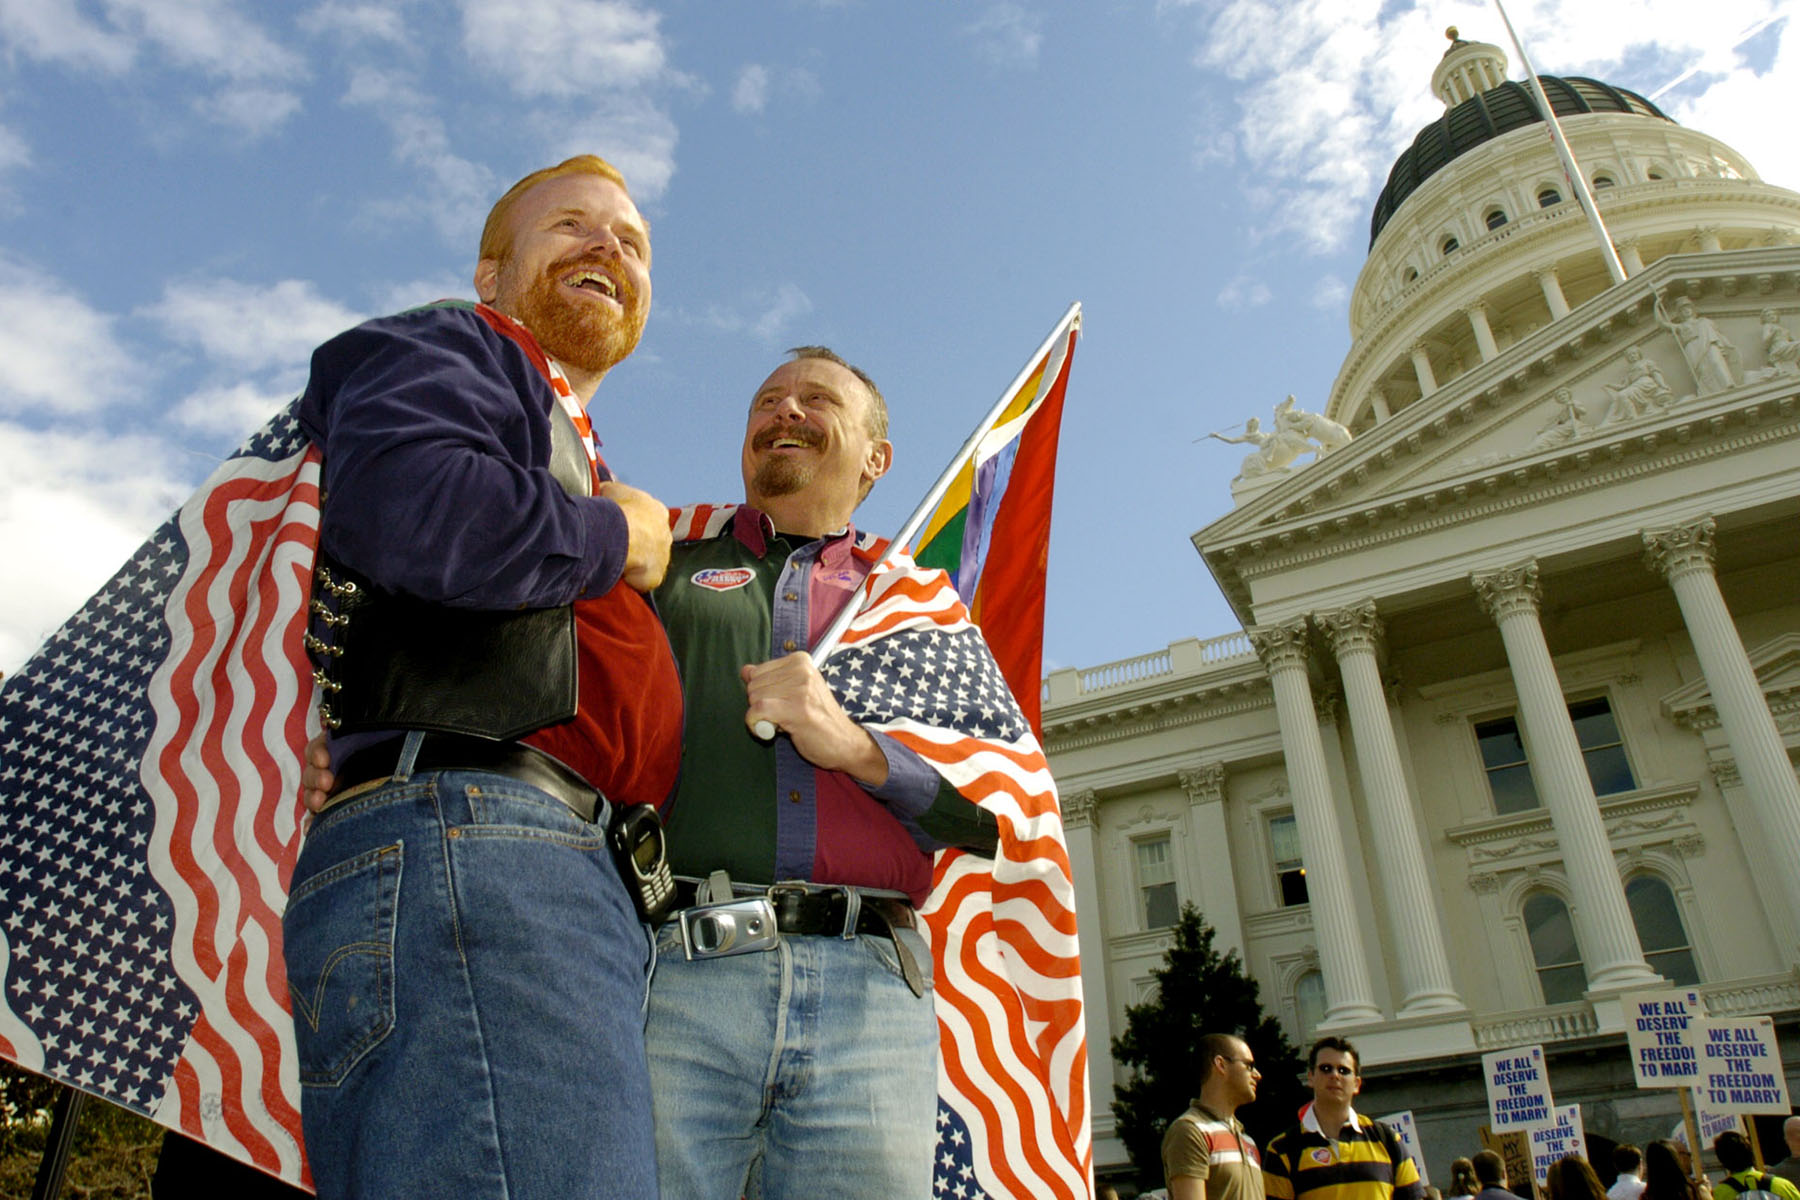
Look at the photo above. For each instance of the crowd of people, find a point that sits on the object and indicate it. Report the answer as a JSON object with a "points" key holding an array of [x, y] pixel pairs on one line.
{"points": [[1337, 1153]]}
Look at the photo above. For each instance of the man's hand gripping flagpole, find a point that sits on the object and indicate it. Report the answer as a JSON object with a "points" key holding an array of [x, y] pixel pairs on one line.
{"points": [[765, 729]]}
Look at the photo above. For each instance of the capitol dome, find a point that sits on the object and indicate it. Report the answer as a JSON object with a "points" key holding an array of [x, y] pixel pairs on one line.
{"points": [[1477, 241]]}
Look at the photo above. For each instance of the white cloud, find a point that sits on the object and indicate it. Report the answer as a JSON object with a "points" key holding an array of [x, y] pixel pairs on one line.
{"points": [[1329, 293], [56, 351], [208, 37], [751, 94], [1244, 292], [1328, 98], [356, 22], [565, 48], [1737, 110], [252, 111], [211, 35], [234, 410], [55, 32], [764, 316], [248, 326], [73, 507], [1007, 34], [411, 293], [630, 132], [757, 85]]}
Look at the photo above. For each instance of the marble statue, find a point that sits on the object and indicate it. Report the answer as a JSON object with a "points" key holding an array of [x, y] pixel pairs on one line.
{"points": [[1711, 358], [1780, 350], [1564, 427], [1313, 426], [1644, 387], [1296, 432], [1274, 451]]}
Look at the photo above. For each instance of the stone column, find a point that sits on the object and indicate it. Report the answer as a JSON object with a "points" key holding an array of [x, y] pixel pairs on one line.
{"points": [[1218, 893], [1348, 995], [1484, 334], [1629, 258], [1080, 816], [1421, 362], [1683, 554], [1379, 402], [1709, 238], [1355, 633], [1608, 940], [1553, 293]]}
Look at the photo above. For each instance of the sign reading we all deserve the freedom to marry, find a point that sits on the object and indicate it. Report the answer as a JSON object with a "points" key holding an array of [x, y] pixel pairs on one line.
{"points": [[1518, 1088]]}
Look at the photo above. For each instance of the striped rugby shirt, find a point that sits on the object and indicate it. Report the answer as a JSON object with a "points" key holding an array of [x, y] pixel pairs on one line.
{"points": [[1205, 1146], [1364, 1162]]}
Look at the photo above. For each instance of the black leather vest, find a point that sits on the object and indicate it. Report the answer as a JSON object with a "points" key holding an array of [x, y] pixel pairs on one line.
{"points": [[388, 661]]}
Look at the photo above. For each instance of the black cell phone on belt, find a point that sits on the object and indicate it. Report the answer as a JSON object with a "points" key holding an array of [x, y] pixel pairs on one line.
{"points": [[642, 856]]}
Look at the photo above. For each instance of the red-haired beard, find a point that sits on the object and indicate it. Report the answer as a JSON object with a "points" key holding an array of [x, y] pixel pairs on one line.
{"points": [[586, 336]]}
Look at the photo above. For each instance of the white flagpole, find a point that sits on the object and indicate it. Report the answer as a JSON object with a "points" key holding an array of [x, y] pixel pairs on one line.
{"points": [[827, 643], [1570, 167]]}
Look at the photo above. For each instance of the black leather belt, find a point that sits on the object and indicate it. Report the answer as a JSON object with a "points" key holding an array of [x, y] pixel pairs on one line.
{"points": [[821, 912], [459, 752], [741, 924]]}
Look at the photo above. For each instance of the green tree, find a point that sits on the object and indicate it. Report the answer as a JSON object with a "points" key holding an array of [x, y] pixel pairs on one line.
{"points": [[1198, 991]]}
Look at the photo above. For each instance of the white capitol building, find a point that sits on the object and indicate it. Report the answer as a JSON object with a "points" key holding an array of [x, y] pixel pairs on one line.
{"points": [[1510, 727]]}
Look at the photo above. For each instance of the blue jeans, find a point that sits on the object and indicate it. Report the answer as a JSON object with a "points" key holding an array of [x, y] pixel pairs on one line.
{"points": [[804, 1071], [467, 976]]}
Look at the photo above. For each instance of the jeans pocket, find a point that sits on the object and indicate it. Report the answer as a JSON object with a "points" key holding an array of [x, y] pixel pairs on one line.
{"points": [[886, 951], [338, 939]]}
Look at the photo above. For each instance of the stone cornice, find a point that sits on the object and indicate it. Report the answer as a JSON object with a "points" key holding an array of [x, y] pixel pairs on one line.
{"points": [[1120, 717], [1486, 384], [1481, 837], [1754, 417]]}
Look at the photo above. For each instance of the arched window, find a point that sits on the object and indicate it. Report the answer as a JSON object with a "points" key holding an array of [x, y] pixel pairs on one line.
{"points": [[1553, 949], [1309, 1003], [1495, 218], [1549, 196], [1408, 275], [1660, 931], [1653, 173], [1603, 181], [1450, 246]]}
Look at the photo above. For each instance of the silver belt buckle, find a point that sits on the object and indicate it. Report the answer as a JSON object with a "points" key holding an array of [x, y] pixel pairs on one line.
{"points": [[721, 930]]}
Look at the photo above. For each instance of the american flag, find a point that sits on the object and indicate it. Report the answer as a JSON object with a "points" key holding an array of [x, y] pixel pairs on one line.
{"points": [[1012, 1052], [150, 817]]}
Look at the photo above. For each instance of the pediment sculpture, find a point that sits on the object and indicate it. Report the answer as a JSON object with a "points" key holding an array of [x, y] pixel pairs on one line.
{"points": [[1295, 432]]}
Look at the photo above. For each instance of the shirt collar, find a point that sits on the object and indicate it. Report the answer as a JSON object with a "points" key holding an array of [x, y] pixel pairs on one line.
{"points": [[1310, 1122], [753, 528]]}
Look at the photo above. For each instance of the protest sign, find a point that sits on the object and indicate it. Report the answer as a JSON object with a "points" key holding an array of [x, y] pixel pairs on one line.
{"points": [[1740, 1067], [1659, 1032], [1518, 1087], [1407, 1129], [1551, 1142]]}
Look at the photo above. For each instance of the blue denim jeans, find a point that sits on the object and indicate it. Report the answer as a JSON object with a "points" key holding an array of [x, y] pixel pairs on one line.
{"points": [[804, 1071], [467, 976]]}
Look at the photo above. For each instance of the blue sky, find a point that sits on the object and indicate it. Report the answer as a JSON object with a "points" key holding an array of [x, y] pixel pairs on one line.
{"points": [[193, 193]]}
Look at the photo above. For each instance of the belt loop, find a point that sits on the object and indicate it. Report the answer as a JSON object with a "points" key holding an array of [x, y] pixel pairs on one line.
{"points": [[852, 910], [409, 754]]}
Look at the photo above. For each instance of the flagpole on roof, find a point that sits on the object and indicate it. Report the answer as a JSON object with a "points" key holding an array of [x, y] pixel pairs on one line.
{"points": [[1577, 181], [910, 528]]}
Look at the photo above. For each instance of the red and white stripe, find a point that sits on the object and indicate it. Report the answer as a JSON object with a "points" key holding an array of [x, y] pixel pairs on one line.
{"points": [[1012, 1048], [234, 707]]}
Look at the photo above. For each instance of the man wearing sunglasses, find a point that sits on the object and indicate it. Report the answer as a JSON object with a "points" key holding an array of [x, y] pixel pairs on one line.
{"points": [[1335, 1152], [1206, 1153]]}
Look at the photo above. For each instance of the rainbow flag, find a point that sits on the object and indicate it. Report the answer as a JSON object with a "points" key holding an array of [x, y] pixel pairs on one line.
{"points": [[991, 530]]}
